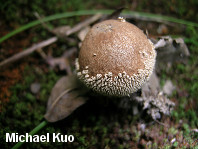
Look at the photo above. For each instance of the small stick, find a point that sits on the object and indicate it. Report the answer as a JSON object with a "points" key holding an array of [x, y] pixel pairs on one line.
{"points": [[43, 23], [76, 28], [42, 54], [83, 24], [49, 41], [53, 31], [28, 51], [161, 123]]}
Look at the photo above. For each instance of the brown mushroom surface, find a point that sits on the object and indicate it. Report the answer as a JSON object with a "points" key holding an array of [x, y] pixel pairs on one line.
{"points": [[116, 58]]}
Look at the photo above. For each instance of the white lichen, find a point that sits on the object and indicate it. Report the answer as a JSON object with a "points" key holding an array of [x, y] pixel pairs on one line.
{"points": [[156, 104]]}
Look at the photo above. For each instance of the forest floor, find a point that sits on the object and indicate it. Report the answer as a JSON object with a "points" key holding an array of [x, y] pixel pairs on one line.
{"points": [[101, 122]]}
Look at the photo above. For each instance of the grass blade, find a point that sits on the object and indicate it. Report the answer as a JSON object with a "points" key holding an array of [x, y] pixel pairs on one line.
{"points": [[154, 17], [51, 18], [159, 18], [34, 131]]}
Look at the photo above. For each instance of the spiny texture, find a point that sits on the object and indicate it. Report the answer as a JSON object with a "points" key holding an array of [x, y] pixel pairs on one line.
{"points": [[116, 58]]}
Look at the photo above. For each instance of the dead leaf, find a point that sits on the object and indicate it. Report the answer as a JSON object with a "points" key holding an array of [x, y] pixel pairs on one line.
{"points": [[171, 50], [63, 61], [152, 87], [61, 30], [168, 88], [66, 96]]}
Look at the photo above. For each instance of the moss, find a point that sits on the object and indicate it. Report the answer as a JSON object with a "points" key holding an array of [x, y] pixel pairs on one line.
{"points": [[24, 110], [173, 131]]}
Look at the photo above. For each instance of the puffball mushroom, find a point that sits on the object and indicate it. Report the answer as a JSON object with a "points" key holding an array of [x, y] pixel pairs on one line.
{"points": [[115, 58]]}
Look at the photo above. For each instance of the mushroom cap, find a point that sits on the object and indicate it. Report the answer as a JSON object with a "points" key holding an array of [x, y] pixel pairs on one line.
{"points": [[115, 58]]}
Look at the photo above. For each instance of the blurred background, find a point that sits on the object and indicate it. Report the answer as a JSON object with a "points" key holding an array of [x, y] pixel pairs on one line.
{"points": [[101, 123]]}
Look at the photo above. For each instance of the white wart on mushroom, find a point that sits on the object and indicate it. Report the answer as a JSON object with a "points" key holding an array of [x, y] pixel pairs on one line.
{"points": [[115, 58]]}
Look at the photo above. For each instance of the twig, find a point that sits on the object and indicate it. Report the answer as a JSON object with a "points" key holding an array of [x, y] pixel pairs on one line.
{"points": [[81, 25], [43, 23], [68, 32], [49, 41], [28, 51], [41, 53], [163, 124], [58, 31]]}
